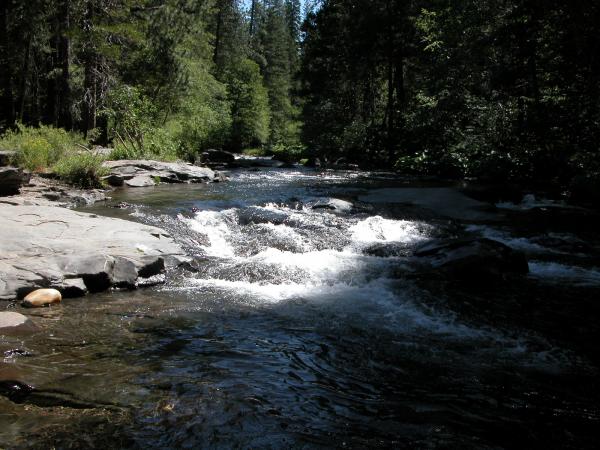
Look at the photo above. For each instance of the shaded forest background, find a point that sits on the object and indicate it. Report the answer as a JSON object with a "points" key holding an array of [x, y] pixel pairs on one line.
{"points": [[491, 89]]}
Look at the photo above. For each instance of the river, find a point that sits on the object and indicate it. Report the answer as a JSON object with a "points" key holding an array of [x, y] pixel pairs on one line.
{"points": [[294, 332]]}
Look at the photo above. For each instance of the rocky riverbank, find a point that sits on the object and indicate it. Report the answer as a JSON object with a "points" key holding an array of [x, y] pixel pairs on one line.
{"points": [[76, 252], [47, 245]]}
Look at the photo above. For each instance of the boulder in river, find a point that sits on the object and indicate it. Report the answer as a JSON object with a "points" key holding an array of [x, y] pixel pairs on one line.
{"points": [[333, 204], [42, 297], [12, 323], [218, 157], [75, 252], [141, 173], [474, 260], [11, 180]]}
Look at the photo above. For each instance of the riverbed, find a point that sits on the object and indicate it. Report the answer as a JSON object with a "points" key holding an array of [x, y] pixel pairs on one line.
{"points": [[291, 328]]}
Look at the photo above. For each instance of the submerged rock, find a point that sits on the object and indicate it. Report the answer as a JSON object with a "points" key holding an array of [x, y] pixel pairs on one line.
{"points": [[15, 323], [388, 250], [42, 297], [475, 260]]}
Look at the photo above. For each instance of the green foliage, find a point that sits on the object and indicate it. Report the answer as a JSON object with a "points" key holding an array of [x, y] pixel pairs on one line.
{"points": [[164, 79], [288, 154], [250, 106], [40, 148], [158, 144], [255, 152], [495, 90], [130, 116], [53, 149], [83, 169], [203, 117], [276, 41]]}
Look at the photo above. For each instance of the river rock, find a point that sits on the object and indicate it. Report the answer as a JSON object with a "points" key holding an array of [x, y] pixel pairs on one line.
{"points": [[11, 180], [6, 157], [72, 288], [141, 173], [333, 204], [51, 247], [42, 297], [388, 250], [474, 260], [216, 157], [140, 181], [12, 323]]}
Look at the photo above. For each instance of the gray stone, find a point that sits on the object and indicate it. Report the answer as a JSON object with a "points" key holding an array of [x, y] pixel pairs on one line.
{"points": [[125, 272], [96, 270], [72, 287], [140, 181], [150, 267], [141, 173], [11, 180], [13, 323], [114, 180], [333, 204], [212, 157], [44, 246]]}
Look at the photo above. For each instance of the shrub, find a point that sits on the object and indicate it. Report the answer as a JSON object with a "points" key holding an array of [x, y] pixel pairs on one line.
{"points": [[288, 153], [82, 169], [255, 152], [40, 148], [158, 144]]}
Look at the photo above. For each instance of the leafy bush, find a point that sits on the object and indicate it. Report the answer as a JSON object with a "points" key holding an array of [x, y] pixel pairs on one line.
{"points": [[158, 144], [82, 169], [255, 152], [130, 116], [203, 118], [249, 106], [287, 153], [40, 148]]}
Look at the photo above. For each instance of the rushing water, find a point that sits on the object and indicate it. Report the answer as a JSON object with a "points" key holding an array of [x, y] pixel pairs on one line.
{"points": [[291, 333]]}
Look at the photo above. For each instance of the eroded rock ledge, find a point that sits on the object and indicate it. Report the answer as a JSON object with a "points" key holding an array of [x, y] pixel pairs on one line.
{"points": [[143, 173], [76, 252]]}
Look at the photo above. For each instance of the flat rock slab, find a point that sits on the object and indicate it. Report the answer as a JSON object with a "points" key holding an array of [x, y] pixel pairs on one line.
{"points": [[444, 201], [142, 173], [52, 247]]}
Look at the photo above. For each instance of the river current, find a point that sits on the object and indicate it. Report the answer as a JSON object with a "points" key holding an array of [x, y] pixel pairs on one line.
{"points": [[295, 330]]}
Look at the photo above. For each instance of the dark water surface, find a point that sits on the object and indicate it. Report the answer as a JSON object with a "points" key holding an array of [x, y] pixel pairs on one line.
{"points": [[291, 335]]}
